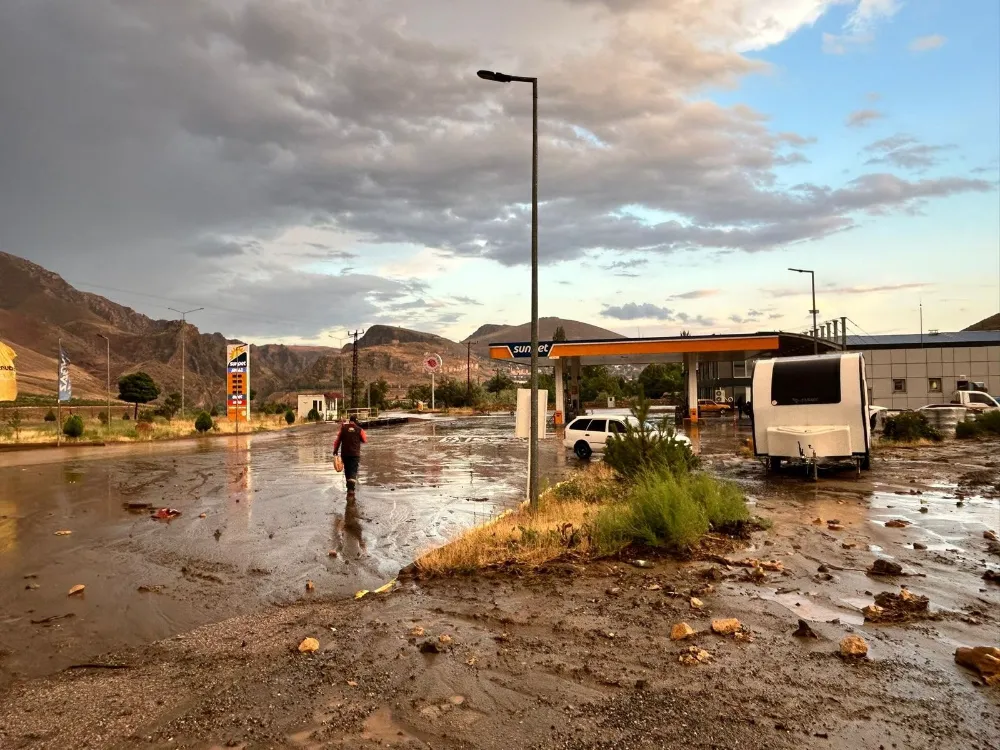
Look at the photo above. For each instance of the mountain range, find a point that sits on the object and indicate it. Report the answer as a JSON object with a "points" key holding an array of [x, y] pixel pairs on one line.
{"points": [[39, 310]]}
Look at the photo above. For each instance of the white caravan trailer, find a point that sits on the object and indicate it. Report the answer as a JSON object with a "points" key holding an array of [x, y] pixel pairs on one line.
{"points": [[811, 408]]}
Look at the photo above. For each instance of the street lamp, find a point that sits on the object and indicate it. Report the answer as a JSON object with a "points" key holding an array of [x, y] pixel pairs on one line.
{"points": [[343, 390], [489, 75], [108, 342], [183, 314], [814, 311]]}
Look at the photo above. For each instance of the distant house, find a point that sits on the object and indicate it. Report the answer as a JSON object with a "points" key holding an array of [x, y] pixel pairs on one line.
{"points": [[324, 403]]}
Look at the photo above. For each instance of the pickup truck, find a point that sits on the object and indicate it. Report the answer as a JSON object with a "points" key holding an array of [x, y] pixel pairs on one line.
{"points": [[975, 401]]}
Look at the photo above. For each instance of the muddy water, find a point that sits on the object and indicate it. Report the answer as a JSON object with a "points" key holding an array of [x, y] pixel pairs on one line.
{"points": [[274, 510]]}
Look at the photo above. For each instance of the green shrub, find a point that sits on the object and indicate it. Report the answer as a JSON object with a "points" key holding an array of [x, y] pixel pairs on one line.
{"points": [[50, 416], [645, 447], [214, 412], [204, 422], [595, 484], [126, 417], [985, 424], [668, 510], [313, 415], [73, 427], [909, 426], [289, 417], [103, 417], [146, 416]]}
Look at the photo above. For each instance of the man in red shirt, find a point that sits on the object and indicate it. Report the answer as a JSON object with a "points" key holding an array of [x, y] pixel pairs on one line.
{"points": [[348, 442]]}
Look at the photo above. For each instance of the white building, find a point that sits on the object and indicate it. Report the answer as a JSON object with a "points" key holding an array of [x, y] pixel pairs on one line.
{"points": [[324, 404]]}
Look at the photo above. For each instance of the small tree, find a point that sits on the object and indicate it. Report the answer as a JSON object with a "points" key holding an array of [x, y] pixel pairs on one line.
{"points": [[50, 416], [73, 427], [289, 417], [204, 422], [646, 447], [137, 388], [312, 416], [103, 417], [170, 406], [14, 423], [146, 416], [559, 335]]}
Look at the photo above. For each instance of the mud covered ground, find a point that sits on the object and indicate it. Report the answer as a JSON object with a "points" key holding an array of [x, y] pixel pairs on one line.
{"points": [[579, 656]]}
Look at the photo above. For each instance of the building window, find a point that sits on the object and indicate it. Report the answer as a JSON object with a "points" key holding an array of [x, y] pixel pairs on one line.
{"points": [[740, 369], [899, 385], [934, 385]]}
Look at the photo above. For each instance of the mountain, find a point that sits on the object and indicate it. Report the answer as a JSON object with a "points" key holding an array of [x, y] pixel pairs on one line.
{"points": [[991, 323], [486, 330], [575, 331], [38, 309]]}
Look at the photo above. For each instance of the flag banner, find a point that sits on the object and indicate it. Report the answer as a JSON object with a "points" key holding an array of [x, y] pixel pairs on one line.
{"points": [[65, 387], [8, 373]]}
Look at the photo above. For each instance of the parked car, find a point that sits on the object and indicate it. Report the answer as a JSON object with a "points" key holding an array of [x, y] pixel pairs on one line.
{"points": [[974, 401], [708, 406], [587, 435]]}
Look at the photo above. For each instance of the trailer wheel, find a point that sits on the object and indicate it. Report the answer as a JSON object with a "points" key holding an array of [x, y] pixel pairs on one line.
{"points": [[866, 462], [582, 450], [773, 464]]}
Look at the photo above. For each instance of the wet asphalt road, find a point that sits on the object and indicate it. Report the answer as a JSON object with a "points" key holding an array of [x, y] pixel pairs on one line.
{"points": [[274, 510]]}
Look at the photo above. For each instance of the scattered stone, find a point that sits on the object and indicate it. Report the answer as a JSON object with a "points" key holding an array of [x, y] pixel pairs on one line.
{"points": [[696, 603], [457, 700], [992, 576], [308, 646], [310, 586], [853, 647], [991, 535], [643, 564], [202, 515], [417, 632], [64, 532], [822, 569], [613, 591], [654, 587], [471, 661], [804, 631], [445, 639], [32, 587], [834, 527], [982, 659], [332, 553], [849, 545], [432, 646], [923, 509], [872, 612], [899, 607], [78, 589], [833, 520], [885, 568], [897, 523], [818, 522], [713, 574], [694, 655], [680, 631], [727, 626], [918, 545], [702, 590]]}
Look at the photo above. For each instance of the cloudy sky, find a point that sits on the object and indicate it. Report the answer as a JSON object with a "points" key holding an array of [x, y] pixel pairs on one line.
{"points": [[299, 167]]}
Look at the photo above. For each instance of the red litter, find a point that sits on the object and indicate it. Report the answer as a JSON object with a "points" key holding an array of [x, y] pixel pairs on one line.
{"points": [[165, 514]]}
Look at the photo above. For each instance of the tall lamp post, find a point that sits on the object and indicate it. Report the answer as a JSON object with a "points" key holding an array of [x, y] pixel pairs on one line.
{"points": [[343, 389], [489, 75], [814, 311], [183, 314], [108, 342]]}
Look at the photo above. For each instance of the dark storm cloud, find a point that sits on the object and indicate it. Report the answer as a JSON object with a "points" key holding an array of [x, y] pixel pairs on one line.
{"points": [[176, 140]]}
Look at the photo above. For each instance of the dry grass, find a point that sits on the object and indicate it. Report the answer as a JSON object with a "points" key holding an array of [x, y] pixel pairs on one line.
{"points": [[520, 537]]}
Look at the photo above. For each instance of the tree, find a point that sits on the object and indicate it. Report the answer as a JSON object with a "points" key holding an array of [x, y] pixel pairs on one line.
{"points": [[137, 388], [14, 423], [419, 393], [204, 422], [499, 382], [380, 393], [313, 415], [103, 417], [73, 427], [559, 335], [289, 417], [170, 406], [50, 416], [658, 379]]}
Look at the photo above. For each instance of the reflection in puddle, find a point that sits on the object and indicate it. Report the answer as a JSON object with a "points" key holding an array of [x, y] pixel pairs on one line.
{"points": [[809, 609]]}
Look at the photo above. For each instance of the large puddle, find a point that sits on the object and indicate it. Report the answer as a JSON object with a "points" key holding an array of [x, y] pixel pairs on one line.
{"points": [[274, 511]]}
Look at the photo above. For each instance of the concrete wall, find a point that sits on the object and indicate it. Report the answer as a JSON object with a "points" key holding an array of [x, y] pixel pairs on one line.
{"points": [[918, 366]]}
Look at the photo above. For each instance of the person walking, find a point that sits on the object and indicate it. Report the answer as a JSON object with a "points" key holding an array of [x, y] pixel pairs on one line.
{"points": [[348, 442]]}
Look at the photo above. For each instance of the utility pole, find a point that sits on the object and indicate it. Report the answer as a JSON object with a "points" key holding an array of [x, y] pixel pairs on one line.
{"points": [[354, 369], [468, 371], [184, 314], [107, 341], [814, 311]]}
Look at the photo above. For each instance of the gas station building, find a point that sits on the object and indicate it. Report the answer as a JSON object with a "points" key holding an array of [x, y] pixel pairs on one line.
{"points": [[704, 353]]}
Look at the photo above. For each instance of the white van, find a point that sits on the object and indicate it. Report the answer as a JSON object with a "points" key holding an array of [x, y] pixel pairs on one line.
{"points": [[811, 408]]}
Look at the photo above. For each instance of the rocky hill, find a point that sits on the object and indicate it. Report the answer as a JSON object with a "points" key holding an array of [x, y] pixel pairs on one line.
{"points": [[991, 323]]}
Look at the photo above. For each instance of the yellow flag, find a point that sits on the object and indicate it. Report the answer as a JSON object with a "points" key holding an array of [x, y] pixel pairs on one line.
{"points": [[8, 375]]}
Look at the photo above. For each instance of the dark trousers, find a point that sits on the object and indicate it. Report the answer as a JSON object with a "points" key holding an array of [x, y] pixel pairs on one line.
{"points": [[351, 464]]}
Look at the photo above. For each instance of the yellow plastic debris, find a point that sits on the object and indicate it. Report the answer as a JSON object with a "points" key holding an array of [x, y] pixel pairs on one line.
{"points": [[64, 532], [308, 646], [78, 589], [361, 594], [386, 588]]}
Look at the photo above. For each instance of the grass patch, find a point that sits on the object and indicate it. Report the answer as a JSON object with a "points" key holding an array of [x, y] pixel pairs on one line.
{"points": [[909, 427], [594, 514], [669, 511], [982, 425]]}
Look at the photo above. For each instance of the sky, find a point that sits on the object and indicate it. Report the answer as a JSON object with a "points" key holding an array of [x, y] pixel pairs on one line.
{"points": [[304, 167]]}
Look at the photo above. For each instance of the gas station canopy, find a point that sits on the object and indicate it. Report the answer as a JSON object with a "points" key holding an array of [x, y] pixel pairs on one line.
{"points": [[624, 351]]}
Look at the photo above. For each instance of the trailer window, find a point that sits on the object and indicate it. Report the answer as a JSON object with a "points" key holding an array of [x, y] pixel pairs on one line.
{"points": [[813, 381]]}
